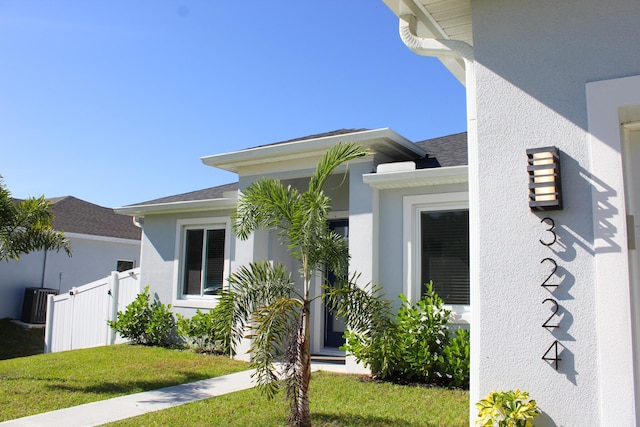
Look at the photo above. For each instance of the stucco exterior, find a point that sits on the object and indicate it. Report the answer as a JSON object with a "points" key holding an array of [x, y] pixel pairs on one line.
{"points": [[539, 74]]}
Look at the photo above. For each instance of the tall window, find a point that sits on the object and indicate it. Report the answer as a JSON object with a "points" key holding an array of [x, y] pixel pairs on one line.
{"points": [[444, 254], [204, 261]]}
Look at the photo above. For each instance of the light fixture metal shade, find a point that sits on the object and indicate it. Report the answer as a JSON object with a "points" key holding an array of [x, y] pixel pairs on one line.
{"points": [[545, 186]]}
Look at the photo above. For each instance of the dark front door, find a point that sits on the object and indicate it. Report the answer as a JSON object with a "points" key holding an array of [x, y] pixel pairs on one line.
{"points": [[334, 326]]}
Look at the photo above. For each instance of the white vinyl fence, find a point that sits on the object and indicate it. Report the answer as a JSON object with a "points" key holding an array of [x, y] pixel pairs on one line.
{"points": [[78, 319]]}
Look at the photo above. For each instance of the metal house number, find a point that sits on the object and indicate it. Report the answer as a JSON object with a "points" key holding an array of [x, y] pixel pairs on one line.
{"points": [[552, 353]]}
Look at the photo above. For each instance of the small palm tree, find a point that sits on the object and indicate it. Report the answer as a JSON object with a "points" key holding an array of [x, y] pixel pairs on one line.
{"points": [[265, 297], [25, 226]]}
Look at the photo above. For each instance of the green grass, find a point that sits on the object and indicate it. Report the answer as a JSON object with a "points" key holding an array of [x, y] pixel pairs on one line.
{"points": [[35, 384], [40, 383], [16, 341], [336, 400]]}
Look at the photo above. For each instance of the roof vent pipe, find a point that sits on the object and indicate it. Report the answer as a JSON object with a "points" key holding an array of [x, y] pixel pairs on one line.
{"points": [[431, 47]]}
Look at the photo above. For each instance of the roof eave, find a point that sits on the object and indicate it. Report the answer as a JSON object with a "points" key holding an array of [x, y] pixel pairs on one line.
{"points": [[174, 207], [429, 28], [378, 140]]}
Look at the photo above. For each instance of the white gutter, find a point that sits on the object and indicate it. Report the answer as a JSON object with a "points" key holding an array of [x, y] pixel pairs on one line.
{"points": [[440, 48]]}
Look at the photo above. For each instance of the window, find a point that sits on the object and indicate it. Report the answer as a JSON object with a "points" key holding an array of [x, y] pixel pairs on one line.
{"points": [[444, 254], [202, 256], [204, 262], [124, 265], [436, 248]]}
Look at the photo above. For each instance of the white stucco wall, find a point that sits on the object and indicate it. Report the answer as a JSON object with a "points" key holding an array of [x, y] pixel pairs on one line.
{"points": [[93, 258], [159, 257], [533, 62]]}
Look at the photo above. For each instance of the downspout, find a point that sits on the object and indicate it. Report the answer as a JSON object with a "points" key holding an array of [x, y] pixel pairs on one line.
{"points": [[454, 49], [138, 221], [432, 47]]}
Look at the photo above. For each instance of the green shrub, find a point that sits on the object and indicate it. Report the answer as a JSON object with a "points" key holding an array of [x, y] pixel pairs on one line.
{"points": [[416, 347], [456, 358], [208, 332], [145, 322]]}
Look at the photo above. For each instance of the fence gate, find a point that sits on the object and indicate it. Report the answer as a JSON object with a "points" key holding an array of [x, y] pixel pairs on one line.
{"points": [[78, 319]]}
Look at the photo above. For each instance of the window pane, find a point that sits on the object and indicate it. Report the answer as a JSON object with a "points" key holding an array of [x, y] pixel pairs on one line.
{"points": [[193, 263], [445, 254], [215, 262]]}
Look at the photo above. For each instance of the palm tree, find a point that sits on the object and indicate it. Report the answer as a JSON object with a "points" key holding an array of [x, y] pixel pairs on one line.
{"points": [[25, 226], [265, 298]]}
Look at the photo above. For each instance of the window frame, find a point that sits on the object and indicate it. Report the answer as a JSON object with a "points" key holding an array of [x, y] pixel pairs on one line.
{"points": [[413, 206], [198, 301]]}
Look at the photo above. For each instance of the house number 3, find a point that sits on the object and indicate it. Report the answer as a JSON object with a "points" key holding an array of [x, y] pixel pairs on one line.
{"points": [[552, 353]]}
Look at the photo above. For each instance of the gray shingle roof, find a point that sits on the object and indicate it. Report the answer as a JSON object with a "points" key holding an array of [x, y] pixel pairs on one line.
{"points": [[318, 135], [450, 150], [204, 194], [73, 215]]}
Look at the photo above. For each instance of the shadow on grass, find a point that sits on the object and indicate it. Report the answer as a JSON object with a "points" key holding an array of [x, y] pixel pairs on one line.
{"points": [[333, 420], [16, 341], [180, 389]]}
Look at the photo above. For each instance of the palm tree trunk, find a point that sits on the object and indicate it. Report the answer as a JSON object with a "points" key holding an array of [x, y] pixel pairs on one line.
{"points": [[302, 402]]}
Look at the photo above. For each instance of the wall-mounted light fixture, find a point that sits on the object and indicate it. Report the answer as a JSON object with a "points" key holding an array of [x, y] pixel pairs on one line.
{"points": [[545, 189]]}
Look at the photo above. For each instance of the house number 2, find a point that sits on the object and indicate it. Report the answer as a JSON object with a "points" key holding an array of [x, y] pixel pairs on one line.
{"points": [[552, 353]]}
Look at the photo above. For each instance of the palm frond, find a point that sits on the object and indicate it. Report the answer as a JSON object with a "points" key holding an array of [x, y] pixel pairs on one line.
{"points": [[255, 286], [334, 157], [274, 323], [26, 226], [362, 309], [266, 203]]}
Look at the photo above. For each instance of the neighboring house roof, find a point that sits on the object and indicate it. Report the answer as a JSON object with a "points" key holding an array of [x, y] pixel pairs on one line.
{"points": [[73, 215], [450, 150]]}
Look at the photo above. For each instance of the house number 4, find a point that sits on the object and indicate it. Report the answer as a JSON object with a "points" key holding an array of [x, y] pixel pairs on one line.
{"points": [[552, 353]]}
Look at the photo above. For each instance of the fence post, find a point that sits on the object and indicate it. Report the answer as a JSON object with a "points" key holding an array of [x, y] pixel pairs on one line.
{"points": [[48, 331], [114, 292]]}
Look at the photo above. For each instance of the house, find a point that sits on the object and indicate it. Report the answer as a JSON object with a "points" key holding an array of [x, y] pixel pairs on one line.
{"points": [[101, 242], [400, 207], [554, 293]]}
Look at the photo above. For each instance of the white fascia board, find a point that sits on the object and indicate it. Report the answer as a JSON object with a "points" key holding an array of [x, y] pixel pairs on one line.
{"points": [[173, 207], [382, 140], [418, 178]]}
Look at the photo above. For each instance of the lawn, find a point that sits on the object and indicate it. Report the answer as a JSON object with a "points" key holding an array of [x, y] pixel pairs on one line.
{"points": [[35, 384], [39, 383], [336, 400]]}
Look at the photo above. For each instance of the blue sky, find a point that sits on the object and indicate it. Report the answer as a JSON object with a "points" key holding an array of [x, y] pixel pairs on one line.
{"points": [[114, 102]]}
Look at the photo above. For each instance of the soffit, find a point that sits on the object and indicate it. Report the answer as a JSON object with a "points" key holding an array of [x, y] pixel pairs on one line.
{"points": [[438, 19], [453, 17]]}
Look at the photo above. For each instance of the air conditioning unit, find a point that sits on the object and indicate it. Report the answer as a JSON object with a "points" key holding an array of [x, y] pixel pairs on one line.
{"points": [[34, 305]]}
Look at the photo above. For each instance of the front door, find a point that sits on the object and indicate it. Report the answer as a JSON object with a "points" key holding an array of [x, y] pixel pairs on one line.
{"points": [[334, 326]]}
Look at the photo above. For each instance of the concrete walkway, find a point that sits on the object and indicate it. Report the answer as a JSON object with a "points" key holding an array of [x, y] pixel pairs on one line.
{"points": [[119, 408]]}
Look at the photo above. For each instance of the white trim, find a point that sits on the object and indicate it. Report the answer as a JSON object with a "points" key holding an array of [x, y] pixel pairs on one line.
{"points": [[605, 100], [180, 300], [418, 178], [382, 140], [412, 206], [181, 207], [102, 238]]}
